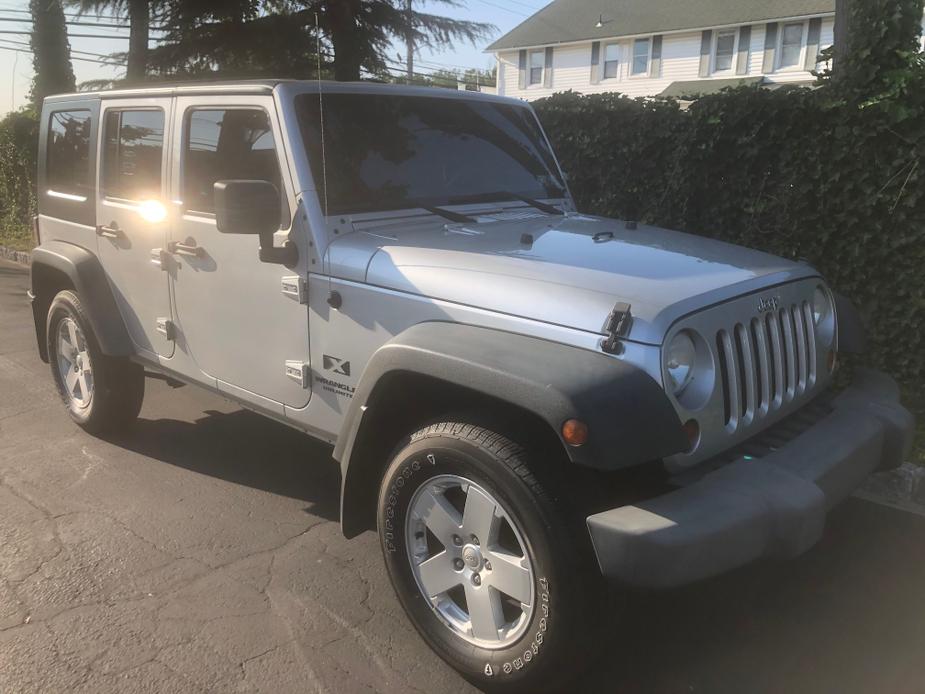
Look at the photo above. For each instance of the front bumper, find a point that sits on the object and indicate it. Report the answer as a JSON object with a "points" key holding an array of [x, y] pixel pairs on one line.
{"points": [[773, 506]]}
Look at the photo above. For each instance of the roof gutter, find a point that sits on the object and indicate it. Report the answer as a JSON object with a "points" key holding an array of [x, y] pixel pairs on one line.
{"points": [[690, 30]]}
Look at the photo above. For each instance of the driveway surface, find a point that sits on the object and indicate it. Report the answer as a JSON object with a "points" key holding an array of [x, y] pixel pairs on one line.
{"points": [[201, 552]]}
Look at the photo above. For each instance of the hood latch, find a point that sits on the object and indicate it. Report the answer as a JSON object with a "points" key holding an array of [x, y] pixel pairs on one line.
{"points": [[617, 326]]}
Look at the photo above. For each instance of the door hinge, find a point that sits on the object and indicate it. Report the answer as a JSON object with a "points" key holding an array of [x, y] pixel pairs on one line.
{"points": [[295, 288], [159, 258], [298, 372], [617, 326], [166, 328]]}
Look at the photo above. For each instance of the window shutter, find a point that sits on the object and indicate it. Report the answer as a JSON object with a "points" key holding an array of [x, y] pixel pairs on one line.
{"points": [[745, 40], [547, 71], [812, 43], [522, 59], [706, 47], [770, 47], [655, 64], [596, 62]]}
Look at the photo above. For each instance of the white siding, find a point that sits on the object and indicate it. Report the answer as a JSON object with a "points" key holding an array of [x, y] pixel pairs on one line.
{"points": [[680, 62]]}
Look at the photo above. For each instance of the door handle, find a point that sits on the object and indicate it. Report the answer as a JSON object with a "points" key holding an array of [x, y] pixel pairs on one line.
{"points": [[185, 249], [111, 231]]}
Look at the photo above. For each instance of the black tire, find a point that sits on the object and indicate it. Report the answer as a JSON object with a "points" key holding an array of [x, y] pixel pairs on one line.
{"points": [[118, 385], [569, 592]]}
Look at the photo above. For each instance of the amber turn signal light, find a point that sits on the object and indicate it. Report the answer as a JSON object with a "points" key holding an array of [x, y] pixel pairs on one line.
{"points": [[574, 432]]}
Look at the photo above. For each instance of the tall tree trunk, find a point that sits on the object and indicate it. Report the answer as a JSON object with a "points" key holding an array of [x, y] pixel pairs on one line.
{"points": [[345, 38], [842, 39], [51, 52], [409, 41], [139, 26]]}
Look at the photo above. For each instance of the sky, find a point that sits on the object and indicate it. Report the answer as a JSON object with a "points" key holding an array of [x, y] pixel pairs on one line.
{"points": [[16, 67]]}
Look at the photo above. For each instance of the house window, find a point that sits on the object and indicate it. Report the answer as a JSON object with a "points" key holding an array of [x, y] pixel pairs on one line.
{"points": [[791, 45], [640, 56], [725, 50], [537, 62], [611, 60]]}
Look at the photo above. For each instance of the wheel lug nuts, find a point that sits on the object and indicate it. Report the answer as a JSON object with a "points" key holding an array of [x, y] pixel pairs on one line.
{"points": [[459, 564], [488, 566], [476, 579], [457, 540], [475, 540]]}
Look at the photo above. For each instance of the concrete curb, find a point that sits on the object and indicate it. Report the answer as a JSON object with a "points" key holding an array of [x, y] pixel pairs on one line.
{"points": [[902, 488], [21, 257]]}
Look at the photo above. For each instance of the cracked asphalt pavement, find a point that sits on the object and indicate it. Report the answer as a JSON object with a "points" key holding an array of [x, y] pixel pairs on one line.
{"points": [[201, 553]]}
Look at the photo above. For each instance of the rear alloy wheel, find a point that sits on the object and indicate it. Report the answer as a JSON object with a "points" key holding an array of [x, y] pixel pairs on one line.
{"points": [[488, 567], [102, 393], [75, 368]]}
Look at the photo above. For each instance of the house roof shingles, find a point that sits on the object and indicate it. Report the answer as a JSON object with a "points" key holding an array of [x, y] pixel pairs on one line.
{"points": [[564, 21]]}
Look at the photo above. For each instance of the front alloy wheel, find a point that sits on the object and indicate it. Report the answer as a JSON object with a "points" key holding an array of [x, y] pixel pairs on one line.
{"points": [[470, 561], [493, 573]]}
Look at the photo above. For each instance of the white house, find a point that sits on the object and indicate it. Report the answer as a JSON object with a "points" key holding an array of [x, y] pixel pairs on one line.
{"points": [[662, 47]]}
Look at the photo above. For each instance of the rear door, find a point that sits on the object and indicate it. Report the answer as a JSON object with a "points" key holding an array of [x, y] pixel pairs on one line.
{"points": [[131, 217], [236, 316]]}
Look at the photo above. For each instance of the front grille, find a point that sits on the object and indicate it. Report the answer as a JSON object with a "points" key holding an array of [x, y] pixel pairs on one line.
{"points": [[766, 363]]}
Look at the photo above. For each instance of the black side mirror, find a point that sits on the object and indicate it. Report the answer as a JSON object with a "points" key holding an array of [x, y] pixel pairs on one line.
{"points": [[252, 207]]}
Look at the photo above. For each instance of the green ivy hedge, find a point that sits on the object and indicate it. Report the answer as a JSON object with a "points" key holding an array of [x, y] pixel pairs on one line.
{"points": [[802, 173], [18, 145]]}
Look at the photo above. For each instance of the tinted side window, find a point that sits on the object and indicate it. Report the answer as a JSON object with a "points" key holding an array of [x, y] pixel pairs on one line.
{"points": [[134, 143], [226, 144], [68, 163]]}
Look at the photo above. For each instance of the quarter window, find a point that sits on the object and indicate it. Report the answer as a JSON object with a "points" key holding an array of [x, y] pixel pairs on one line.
{"points": [[68, 163], [725, 51], [537, 63], [791, 45], [226, 145], [134, 145], [611, 60], [640, 56]]}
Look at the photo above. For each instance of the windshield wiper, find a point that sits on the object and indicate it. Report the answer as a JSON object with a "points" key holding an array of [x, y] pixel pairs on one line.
{"points": [[541, 206], [450, 215], [501, 195]]}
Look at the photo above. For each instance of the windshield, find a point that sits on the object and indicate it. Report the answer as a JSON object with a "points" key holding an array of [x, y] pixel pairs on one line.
{"points": [[392, 152]]}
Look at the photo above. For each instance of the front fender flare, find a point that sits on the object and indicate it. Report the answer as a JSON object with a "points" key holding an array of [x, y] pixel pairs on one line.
{"points": [[629, 417]]}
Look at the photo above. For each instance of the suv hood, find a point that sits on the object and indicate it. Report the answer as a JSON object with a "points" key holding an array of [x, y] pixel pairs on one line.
{"points": [[571, 274]]}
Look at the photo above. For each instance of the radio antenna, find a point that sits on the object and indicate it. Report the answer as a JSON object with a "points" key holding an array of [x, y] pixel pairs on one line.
{"points": [[324, 163]]}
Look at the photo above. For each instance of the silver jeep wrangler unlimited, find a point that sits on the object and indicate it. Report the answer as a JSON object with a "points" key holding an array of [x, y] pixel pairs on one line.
{"points": [[523, 399]]}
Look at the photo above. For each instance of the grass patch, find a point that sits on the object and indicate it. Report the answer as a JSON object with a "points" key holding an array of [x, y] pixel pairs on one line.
{"points": [[16, 237]]}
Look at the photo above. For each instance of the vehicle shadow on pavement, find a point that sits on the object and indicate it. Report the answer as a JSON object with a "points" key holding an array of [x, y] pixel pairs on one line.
{"points": [[247, 449], [848, 616]]}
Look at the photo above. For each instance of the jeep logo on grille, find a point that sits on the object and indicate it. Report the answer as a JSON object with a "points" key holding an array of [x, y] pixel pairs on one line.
{"points": [[768, 303]]}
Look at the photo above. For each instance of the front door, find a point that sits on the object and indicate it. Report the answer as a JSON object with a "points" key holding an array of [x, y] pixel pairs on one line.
{"points": [[132, 217], [233, 316]]}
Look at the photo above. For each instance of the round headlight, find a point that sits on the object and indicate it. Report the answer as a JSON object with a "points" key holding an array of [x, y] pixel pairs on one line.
{"points": [[679, 362], [822, 305]]}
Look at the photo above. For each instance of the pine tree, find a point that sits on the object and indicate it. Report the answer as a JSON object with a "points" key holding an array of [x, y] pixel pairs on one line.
{"points": [[139, 17], [279, 37], [51, 52]]}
